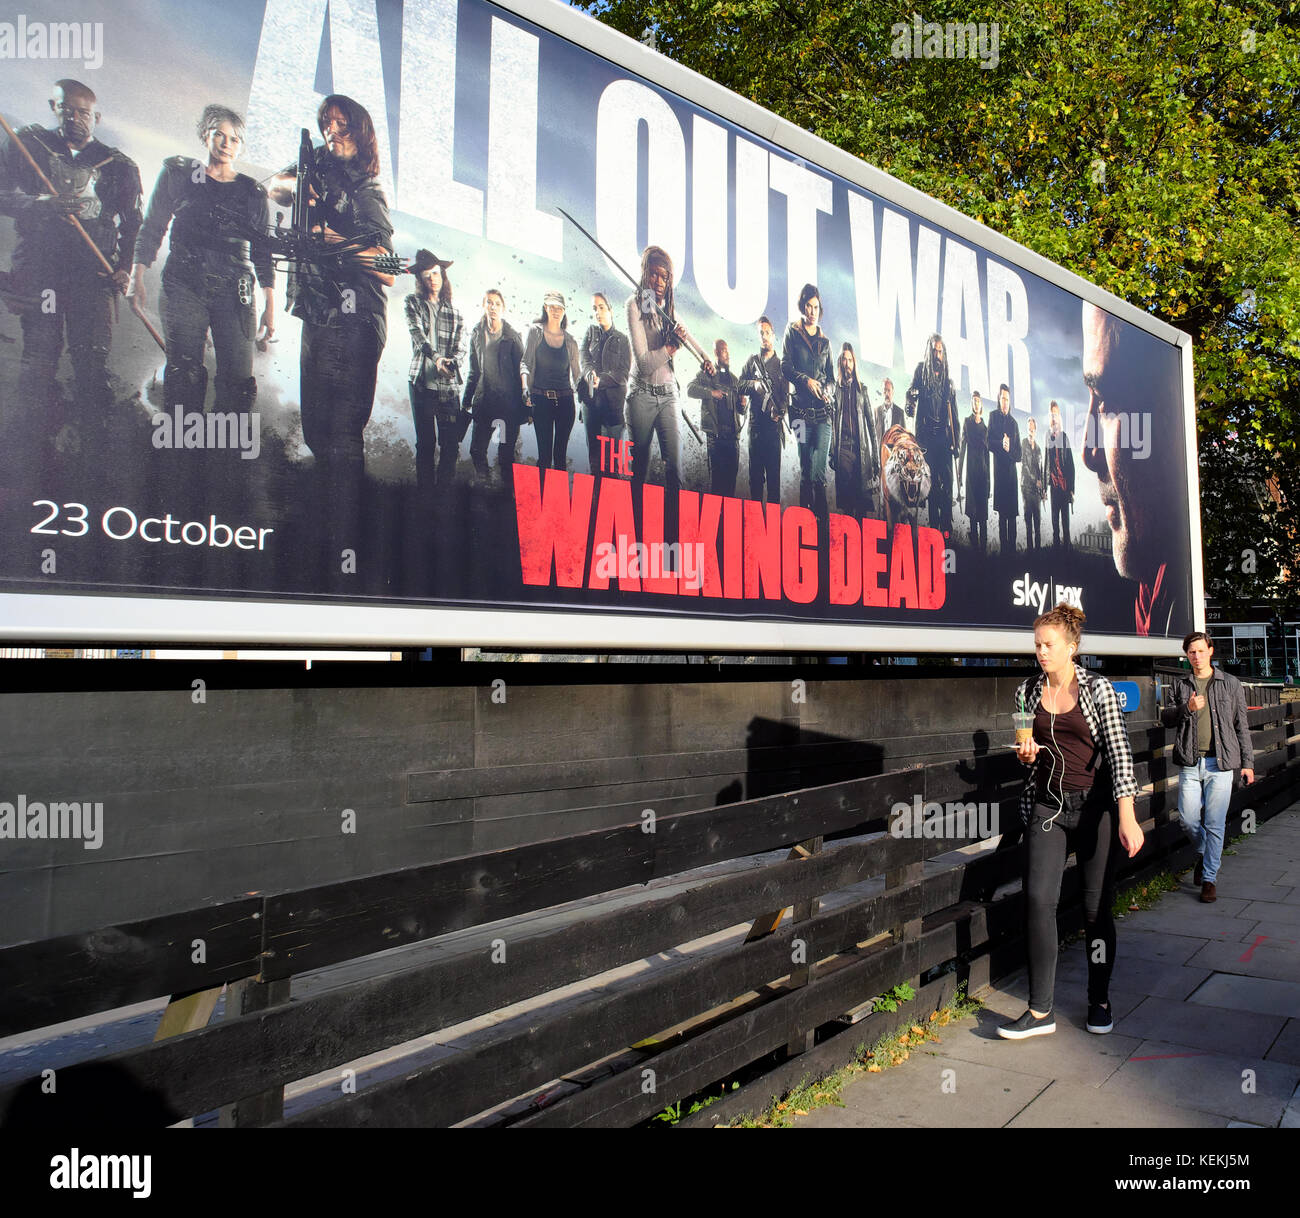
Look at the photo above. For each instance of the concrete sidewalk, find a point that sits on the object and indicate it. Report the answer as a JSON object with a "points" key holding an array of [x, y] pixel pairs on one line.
{"points": [[1206, 1002]]}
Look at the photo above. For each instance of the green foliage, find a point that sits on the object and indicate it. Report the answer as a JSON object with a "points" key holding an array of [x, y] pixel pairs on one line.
{"points": [[889, 1000], [1147, 145], [673, 1113]]}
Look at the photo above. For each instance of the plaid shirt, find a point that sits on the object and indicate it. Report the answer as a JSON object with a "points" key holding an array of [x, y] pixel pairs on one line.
{"points": [[1100, 708], [448, 340]]}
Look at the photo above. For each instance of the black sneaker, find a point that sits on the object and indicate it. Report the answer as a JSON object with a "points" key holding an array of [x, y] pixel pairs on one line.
{"points": [[1099, 1018], [1199, 874], [1028, 1025]]}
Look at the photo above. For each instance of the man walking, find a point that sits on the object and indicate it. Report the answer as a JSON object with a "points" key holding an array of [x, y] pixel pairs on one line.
{"points": [[1213, 739]]}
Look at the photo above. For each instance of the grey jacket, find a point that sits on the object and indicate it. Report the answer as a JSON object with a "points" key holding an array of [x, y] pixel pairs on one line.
{"points": [[1227, 702]]}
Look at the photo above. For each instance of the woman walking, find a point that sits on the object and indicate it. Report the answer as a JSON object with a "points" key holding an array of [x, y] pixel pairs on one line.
{"points": [[1078, 797]]}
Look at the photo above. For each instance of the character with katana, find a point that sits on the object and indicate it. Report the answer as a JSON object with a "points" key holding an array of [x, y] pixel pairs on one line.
{"points": [[76, 209], [656, 335]]}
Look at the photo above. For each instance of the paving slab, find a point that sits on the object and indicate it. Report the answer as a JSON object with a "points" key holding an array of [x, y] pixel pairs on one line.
{"points": [[1284, 932], [918, 1094], [1214, 1029], [1062, 1106], [1229, 886], [1286, 1048], [1233, 1086], [1071, 1053], [1260, 994], [1271, 911], [1181, 913], [1261, 957], [1134, 973], [1161, 946]]}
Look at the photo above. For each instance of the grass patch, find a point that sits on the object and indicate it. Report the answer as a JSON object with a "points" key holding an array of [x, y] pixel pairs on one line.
{"points": [[1144, 895], [887, 1051]]}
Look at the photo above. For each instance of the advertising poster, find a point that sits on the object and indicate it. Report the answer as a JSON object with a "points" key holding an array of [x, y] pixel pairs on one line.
{"points": [[398, 306]]}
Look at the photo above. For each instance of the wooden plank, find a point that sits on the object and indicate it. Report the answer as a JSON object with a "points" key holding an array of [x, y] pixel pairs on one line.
{"points": [[513, 1061], [187, 1012], [239, 1057], [310, 928], [242, 999], [804, 911], [53, 980]]}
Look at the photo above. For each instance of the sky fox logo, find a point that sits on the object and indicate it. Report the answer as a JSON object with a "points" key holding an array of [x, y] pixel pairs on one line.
{"points": [[1027, 591]]}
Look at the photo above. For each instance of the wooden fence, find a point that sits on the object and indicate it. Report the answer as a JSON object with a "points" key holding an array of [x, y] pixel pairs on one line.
{"points": [[693, 1024]]}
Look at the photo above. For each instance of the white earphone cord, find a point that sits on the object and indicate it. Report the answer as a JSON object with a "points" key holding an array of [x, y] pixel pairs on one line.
{"points": [[1060, 785]]}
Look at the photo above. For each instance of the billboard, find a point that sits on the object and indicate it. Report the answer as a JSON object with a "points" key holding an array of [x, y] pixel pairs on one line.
{"points": [[370, 322]]}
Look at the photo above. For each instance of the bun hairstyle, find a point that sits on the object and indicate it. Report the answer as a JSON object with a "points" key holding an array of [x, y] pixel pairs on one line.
{"points": [[1067, 619]]}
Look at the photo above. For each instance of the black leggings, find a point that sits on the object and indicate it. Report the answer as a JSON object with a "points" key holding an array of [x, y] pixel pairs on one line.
{"points": [[1095, 842]]}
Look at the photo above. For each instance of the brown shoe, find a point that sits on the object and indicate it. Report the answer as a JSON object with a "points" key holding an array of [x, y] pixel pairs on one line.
{"points": [[1208, 894]]}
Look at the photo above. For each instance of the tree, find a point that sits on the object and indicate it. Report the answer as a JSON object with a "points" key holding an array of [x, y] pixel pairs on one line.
{"points": [[1150, 146]]}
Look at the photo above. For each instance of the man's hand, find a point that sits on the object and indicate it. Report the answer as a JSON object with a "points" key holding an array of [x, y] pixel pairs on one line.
{"points": [[1195, 703], [445, 366], [58, 207], [710, 369], [1006, 444], [718, 395], [120, 278], [1247, 777]]}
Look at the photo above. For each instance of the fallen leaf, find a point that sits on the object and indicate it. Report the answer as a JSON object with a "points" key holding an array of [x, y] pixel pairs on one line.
{"points": [[873, 1068], [917, 1031], [801, 1112]]}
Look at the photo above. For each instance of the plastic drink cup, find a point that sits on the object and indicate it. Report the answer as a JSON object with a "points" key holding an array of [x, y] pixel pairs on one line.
{"points": [[1024, 725]]}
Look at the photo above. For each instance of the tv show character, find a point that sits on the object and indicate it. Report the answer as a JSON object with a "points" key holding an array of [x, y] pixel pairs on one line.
{"points": [[437, 352], [605, 358], [550, 370], [60, 284], [493, 389], [806, 364], [212, 270]]}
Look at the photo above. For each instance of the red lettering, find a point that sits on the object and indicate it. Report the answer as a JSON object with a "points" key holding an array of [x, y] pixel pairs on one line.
{"points": [[698, 525], [732, 555], [614, 520], [902, 569], [552, 525], [799, 554], [873, 562], [931, 581], [652, 531], [762, 550], [845, 560]]}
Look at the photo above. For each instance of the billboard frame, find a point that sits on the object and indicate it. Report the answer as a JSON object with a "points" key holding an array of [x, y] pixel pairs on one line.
{"points": [[146, 617]]}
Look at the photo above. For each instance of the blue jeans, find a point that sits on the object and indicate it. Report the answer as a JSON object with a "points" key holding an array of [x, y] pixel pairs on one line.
{"points": [[1204, 792]]}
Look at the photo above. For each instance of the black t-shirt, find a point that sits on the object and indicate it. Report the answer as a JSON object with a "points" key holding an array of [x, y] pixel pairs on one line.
{"points": [[1068, 758]]}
